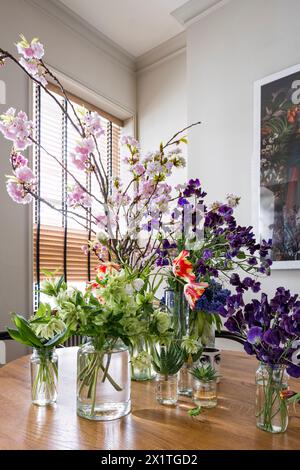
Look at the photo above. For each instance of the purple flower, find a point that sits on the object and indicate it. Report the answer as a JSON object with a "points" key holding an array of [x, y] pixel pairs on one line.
{"points": [[182, 201], [254, 335], [207, 254], [248, 348], [225, 210], [294, 370]]}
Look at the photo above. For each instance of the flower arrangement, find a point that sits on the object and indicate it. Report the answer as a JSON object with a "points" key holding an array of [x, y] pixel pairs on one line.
{"points": [[210, 245], [271, 330], [43, 332]]}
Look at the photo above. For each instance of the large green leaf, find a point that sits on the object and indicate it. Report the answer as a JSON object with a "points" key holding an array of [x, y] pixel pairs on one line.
{"points": [[14, 334], [25, 330]]}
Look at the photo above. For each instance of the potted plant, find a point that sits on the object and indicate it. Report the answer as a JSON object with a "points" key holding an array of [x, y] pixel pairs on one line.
{"points": [[205, 386], [167, 362], [43, 332]]}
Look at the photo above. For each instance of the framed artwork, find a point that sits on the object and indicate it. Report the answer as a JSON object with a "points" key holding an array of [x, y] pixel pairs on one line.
{"points": [[276, 165]]}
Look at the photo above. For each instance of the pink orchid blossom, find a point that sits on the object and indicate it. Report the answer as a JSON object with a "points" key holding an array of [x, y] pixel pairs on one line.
{"points": [[80, 155], [16, 128], [25, 174], [101, 221], [17, 159], [17, 192], [79, 197], [92, 124]]}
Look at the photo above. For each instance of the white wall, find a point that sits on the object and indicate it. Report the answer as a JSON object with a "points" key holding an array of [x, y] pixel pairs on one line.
{"points": [[161, 99], [227, 51], [82, 60]]}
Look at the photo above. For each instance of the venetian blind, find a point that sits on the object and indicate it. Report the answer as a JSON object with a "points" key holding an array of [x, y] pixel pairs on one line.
{"points": [[58, 240]]}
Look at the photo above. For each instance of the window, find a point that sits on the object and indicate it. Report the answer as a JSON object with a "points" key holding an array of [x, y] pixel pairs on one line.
{"points": [[58, 240]]}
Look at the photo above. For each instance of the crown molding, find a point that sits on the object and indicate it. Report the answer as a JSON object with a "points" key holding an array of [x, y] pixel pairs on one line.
{"points": [[78, 25], [194, 10], [97, 97], [165, 51]]}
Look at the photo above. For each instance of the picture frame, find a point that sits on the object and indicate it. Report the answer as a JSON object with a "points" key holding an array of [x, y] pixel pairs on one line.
{"points": [[276, 165]]}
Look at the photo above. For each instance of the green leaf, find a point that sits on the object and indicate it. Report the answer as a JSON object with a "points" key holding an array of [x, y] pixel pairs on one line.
{"points": [[195, 411], [25, 330], [57, 339], [60, 283], [14, 334]]}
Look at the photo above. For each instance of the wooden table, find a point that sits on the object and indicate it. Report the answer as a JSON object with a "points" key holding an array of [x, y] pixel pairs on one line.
{"points": [[231, 425]]}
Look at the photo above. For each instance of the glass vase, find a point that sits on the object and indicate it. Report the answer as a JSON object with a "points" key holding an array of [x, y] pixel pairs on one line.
{"points": [[179, 310], [103, 381], [166, 389], [44, 375], [141, 361], [205, 393], [271, 407]]}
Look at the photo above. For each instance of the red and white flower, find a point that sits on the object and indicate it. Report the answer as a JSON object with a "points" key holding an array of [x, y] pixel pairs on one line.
{"points": [[183, 268], [193, 291]]}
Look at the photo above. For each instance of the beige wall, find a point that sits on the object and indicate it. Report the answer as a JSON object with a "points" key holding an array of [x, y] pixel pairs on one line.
{"points": [[161, 98], [227, 51], [84, 62]]}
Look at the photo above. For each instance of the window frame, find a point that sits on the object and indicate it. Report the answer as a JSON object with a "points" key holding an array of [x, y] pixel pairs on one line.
{"points": [[129, 126]]}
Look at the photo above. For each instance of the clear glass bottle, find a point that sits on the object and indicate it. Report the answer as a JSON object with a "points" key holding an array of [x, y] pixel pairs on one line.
{"points": [[205, 393], [167, 389], [141, 362], [271, 407], [44, 375], [103, 381]]}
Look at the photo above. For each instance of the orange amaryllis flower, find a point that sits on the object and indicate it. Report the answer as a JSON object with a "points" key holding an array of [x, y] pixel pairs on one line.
{"points": [[106, 268], [183, 268], [193, 291]]}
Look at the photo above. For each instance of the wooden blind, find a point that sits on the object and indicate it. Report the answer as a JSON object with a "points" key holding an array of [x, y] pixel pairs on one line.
{"points": [[57, 240]]}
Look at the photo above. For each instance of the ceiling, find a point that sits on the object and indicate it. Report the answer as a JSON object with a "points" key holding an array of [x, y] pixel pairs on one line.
{"points": [[135, 25]]}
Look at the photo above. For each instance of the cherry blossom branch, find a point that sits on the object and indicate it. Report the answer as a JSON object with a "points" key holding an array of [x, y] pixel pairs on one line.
{"points": [[170, 142], [61, 211], [67, 170], [7, 55]]}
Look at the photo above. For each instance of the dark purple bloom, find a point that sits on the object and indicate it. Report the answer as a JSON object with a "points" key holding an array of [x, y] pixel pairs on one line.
{"points": [[248, 348], [255, 334], [294, 370], [225, 210], [272, 337]]}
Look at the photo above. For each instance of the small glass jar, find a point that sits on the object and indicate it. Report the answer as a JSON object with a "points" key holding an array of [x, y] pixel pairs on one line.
{"points": [[167, 389], [271, 407], [103, 381], [44, 375], [205, 393], [141, 362]]}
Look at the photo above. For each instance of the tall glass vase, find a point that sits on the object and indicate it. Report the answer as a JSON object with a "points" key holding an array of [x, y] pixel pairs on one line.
{"points": [[179, 310], [271, 407], [178, 307], [103, 381]]}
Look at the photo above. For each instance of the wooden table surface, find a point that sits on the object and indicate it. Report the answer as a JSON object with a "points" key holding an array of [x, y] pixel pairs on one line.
{"points": [[231, 425]]}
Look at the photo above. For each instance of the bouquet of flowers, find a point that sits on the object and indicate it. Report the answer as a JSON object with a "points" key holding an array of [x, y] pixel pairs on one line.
{"points": [[209, 244], [43, 332], [271, 330]]}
